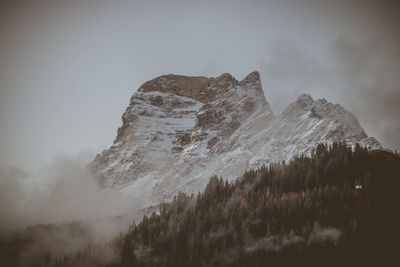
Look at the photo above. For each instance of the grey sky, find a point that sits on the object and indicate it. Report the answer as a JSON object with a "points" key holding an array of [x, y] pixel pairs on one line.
{"points": [[69, 68]]}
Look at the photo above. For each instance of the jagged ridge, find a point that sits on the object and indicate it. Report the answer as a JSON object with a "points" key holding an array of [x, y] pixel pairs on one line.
{"points": [[178, 131]]}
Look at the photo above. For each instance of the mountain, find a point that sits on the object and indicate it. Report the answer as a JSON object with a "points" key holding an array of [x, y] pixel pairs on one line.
{"points": [[178, 131]]}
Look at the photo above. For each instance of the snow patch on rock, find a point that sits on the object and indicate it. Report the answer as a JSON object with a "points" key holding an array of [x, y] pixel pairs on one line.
{"points": [[178, 131]]}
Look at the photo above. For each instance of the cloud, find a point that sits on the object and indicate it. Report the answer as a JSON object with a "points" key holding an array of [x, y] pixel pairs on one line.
{"points": [[289, 71], [60, 211], [318, 235], [12, 196], [64, 190], [371, 70], [362, 75]]}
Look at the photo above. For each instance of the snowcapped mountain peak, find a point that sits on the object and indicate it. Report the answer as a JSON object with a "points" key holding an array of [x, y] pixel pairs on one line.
{"points": [[252, 80], [305, 101], [191, 87], [178, 131]]}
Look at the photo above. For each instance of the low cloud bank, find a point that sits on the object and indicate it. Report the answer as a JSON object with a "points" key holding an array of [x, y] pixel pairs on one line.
{"points": [[65, 190], [59, 212]]}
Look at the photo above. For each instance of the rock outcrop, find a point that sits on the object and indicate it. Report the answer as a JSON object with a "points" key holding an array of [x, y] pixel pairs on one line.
{"points": [[178, 131]]}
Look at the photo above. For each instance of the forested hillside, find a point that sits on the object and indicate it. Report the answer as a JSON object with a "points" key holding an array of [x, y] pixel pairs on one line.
{"points": [[335, 207]]}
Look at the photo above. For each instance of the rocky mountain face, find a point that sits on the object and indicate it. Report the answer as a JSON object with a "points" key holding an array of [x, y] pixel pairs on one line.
{"points": [[178, 131]]}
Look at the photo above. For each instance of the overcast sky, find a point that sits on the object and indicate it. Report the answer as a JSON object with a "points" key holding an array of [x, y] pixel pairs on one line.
{"points": [[69, 68]]}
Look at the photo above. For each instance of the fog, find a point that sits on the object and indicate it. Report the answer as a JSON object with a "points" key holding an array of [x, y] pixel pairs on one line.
{"points": [[63, 191], [60, 211], [69, 68]]}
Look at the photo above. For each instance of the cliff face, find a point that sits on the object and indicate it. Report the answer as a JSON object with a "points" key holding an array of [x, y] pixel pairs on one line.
{"points": [[178, 131]]}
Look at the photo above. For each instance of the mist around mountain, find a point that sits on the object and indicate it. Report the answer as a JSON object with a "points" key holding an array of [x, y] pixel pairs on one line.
{"points": [[335, 207], [203, 173]]}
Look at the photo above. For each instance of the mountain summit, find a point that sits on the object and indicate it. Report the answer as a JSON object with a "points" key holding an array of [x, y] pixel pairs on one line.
{"points": [[178, 131]]}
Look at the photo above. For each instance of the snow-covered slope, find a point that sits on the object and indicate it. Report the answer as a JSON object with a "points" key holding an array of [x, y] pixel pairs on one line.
{"points": [[178, 131]]}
